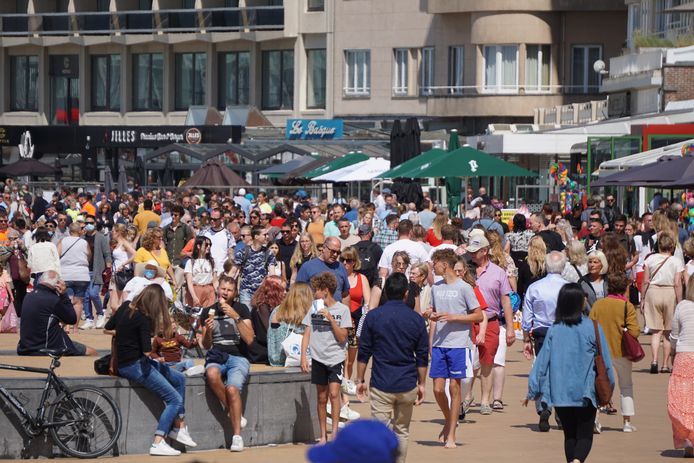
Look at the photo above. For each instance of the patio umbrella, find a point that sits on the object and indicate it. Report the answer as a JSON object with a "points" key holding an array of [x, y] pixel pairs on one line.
{"points": [[215, 175], [28, 167], [140, 171], [167, 174], [465, 162], [337, 163], [397, 144], [426, 156], [122, 179], [108, 179], [413, 135], [360, 172], [453, 187], [665, 171]]}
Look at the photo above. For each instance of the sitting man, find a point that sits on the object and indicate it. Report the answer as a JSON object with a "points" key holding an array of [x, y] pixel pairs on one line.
{"points": [[146, 273], [226, 369], [44, 309]]}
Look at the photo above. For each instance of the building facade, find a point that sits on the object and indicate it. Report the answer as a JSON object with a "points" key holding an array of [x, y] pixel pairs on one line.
{"points": [[452, 63]]}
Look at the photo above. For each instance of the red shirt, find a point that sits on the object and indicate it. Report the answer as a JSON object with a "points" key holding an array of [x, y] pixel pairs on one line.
{"points": [[432, 239], [277, 222]]}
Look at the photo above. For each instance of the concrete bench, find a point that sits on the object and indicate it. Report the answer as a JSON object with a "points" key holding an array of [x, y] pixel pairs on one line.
{"points": [[279, 405]]}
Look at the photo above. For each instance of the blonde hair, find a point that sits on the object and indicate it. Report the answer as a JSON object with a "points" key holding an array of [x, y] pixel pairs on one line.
{"points": [[536, 255], [602, 258], [576, 252], [350, 252], [423, 268], [297, 255], [666, 243], [296, 303], [690, 289], [440, 220], [149, 237], [688, 247], [496, 251], [121, 230], [152, 303]]}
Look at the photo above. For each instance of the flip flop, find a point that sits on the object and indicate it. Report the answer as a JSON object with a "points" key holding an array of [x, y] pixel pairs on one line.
{"points": [[497, 405]]}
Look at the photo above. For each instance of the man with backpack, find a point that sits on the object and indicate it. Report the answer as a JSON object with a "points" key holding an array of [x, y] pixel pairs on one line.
{"points": [[253, 262], [369, 253]]}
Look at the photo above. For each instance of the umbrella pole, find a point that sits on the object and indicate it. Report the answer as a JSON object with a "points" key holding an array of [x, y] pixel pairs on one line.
{"points": [[465, 196]]}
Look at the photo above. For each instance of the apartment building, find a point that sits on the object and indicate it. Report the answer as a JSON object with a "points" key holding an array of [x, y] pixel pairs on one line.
{"points": [[452, 63]]}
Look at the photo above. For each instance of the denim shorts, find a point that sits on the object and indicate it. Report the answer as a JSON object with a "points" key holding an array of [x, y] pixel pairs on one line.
{"points": [[234, 371], [76, 288]]}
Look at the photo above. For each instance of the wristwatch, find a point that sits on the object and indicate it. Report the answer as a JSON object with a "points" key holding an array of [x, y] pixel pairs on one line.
{"points": [[237, 319]]}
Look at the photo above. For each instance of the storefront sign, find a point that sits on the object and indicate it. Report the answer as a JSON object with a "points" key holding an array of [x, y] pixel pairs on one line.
{"points": [[314, 129], [193, 136]]}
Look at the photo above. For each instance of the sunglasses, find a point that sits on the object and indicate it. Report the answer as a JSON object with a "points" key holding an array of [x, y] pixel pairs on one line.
{"points": [[335, 252], [3, 220], [286, 231], [244, 235], [347, 261]]}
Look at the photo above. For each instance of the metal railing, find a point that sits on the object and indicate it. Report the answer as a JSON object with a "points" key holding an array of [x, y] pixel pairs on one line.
{"points": [[476, 90], [175, 20], [572, 114]]}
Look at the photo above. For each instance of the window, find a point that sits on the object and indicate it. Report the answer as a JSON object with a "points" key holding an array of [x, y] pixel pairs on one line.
{"points": [[24, 87], [634, 22], [426, 71], [234, 70], [106, 83], [316, 78], [145, 5], [148, 81], [501, 68], [278, 79], [191, 71], [584, 78], [189, 4], [316, 5], [456, 57], [400, 84], [103, 5], [537, 73], [357, 72]]}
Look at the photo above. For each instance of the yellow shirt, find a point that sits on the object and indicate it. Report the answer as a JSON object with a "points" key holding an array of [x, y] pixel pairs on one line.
{"points": [[142, 255], [145, 217], [609, 313]]}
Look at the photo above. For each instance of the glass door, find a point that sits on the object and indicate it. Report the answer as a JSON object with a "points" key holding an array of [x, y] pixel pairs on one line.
{"points": [[65, 90]]}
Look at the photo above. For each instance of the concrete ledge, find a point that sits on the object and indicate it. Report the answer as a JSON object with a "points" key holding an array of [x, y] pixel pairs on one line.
{"points": [[279, 406]]}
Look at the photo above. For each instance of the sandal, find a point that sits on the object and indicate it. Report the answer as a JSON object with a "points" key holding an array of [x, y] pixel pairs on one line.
{"points": [[665, 370], [497, 405]]}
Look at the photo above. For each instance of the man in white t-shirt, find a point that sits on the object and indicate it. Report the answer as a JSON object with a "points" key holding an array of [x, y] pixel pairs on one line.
{"points": [[414, 249], [222, 241], [448, 234]]}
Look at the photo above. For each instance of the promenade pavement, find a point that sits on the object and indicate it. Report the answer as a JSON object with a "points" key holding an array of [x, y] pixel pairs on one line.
{"points": [[509, 436]]}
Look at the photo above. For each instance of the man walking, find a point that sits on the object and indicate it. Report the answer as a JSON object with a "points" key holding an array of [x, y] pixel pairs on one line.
{"points": [[99, 259], [539, 311], [253, 262], [222, 241], [396, 337]]}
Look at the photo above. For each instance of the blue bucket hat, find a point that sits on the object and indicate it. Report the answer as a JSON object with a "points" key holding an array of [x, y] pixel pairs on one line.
{"points": [[363, 441]]}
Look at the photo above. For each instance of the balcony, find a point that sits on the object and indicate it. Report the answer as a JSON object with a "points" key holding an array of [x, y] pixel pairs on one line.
{"points": [[472, 6], [143, 22], [572, 114]]}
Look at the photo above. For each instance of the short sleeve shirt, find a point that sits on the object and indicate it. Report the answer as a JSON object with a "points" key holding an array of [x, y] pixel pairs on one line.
{"points": [[225, 333], [254, 266], [316, 266], [493, 283], [456, 298], [667, 273], [324, 346]]}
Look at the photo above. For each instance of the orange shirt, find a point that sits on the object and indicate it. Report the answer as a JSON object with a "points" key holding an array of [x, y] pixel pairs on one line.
{"points": [[88, 208]]}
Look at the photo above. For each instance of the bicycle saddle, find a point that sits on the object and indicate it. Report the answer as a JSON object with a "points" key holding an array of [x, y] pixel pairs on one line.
{"points": [[54, 353]]}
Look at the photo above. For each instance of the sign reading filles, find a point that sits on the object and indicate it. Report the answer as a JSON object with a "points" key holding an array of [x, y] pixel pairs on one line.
{"points": [[191, 136]]}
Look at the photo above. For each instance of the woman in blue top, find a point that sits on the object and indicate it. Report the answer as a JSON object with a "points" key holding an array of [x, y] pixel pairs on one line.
{"points": [[563, 375]]}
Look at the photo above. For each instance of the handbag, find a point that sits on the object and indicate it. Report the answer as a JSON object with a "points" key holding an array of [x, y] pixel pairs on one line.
{"points": [[108, 364], [24, 271], [292, 348], [9, 322], [631, 347], [648, 285], [122, 277], [603, 387]]}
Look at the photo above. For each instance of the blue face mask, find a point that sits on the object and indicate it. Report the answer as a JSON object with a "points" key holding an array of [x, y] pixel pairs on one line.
{"points": [[89, 227], [150, 274], [50, 233]]}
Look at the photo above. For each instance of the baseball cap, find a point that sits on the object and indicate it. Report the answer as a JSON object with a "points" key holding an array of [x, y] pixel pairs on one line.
{"points": [[363, 441], [242, 192], [364, 229], [301, 194], [385, 190], [477, 242]]}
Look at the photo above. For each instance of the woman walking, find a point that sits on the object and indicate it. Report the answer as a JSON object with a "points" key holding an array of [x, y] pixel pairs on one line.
{"points": [[661, 277], [135, 324], [594, 283], [563, 375], [123, 254], [201, 280], [615, 314], [680, 404], [75, 255], [305, 251]]}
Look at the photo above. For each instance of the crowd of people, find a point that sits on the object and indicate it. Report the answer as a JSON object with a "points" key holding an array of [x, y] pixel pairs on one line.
{"points": [[403, 285]]}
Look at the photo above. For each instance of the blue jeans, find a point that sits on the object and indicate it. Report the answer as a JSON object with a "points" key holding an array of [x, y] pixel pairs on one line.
{"points": [[234, 371], [181, 366], [245, 296], [93, 294], [168, 384]]}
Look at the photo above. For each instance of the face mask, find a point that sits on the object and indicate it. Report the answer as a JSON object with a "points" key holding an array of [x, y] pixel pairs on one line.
{"points": [[89, 227], [150, 274], [50, 233]]}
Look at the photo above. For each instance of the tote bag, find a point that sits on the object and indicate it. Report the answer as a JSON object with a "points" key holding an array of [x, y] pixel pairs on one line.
{"points": [[9, 322], [292, 348]]}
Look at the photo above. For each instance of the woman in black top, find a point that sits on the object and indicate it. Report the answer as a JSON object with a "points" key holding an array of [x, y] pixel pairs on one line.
{"points": [[135, 322]]}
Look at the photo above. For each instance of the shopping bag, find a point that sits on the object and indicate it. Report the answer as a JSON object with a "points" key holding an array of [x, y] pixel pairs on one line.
{"points": [[292, 350], [9, 322]]}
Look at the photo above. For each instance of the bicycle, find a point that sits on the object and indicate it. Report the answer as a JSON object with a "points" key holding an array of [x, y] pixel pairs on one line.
{"points": [[83, 421]]}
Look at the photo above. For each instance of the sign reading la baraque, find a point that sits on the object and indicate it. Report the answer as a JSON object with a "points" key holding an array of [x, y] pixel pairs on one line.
{"points": [[314, 129]]}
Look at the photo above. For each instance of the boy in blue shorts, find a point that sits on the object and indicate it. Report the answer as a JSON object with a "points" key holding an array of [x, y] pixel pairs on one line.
{"points": [[454, 309]]}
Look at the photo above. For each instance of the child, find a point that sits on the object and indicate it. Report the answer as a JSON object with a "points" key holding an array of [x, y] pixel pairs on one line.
{"points": [[326, 332], [168, 350]]}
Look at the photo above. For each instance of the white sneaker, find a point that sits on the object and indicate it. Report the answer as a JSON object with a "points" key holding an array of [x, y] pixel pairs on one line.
{"points": [[163, 449], [329, 423], [101, 321], [348, 387], [181, 435], [236, 444], [87, 325], [244, 422], [628, 427], [348, 414], [597, 427]]}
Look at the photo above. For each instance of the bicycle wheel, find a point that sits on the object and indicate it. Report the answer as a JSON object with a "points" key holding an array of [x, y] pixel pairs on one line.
{"points": [[85, 422]]}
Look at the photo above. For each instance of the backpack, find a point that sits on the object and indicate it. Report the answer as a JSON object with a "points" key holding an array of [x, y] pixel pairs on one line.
{"points": [[369, 265]]}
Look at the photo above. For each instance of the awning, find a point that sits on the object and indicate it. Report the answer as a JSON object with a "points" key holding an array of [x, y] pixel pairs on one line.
{"points": [[338, 163], [414, 162], [465, 162], [641, 159], [282, 170], [360, 172]]}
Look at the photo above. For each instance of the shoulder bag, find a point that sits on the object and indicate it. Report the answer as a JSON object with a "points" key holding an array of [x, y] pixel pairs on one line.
{"points": [[648, 285], [603, 387], [631, 347]]}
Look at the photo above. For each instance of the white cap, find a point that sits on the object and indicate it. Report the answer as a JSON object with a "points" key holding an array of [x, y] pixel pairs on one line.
{"points": [[242, 192]]}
